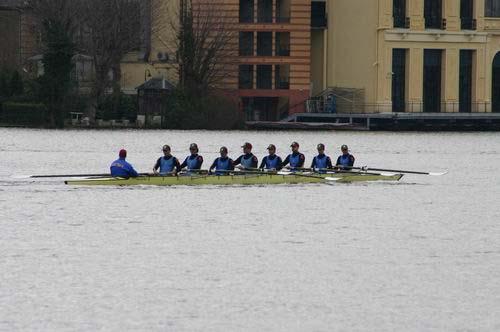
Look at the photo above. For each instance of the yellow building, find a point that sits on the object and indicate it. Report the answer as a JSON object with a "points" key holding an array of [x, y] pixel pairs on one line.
{"points": [[411, 55], [157, 56]]}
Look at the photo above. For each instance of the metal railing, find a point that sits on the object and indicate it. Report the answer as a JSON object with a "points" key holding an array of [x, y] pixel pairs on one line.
{"points": [[318, 105], [468, 23]]}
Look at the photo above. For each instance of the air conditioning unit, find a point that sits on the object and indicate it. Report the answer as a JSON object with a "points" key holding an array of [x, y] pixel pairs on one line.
{"points": [[163, 56]]}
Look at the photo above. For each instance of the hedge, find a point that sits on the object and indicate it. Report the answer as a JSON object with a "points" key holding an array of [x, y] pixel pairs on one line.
{"points": [[31, 114]]}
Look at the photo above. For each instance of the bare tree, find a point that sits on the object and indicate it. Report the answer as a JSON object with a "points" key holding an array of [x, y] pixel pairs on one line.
{"points": [[114, 29], [202, 36]]}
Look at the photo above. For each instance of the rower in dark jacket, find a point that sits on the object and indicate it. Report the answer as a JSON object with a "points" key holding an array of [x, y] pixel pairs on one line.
{"points": [[295, 159], [321, 162], [120, 168], [223, 164], [346, 160], [167, 164], [247, 160], [272, 161], [194, 161]]}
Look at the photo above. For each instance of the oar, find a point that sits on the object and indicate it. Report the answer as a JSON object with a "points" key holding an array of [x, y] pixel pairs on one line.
{"points": [[366, 168], [75, 175]]}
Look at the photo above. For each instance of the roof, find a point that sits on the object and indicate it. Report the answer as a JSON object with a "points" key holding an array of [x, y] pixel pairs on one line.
{"points": [[156, 84]]}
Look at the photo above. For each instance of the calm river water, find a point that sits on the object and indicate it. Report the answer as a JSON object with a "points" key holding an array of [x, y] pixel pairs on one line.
{"points": [[419, 255]]}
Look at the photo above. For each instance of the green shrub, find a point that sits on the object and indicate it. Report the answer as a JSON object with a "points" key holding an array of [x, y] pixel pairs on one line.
{"points": [[29, 114], [124, 108]]}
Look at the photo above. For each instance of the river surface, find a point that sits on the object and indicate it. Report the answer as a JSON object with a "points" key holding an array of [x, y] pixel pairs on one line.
{"points": [[419, 255]]}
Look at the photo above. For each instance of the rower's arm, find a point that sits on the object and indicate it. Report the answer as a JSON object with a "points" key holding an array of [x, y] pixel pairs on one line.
{"points": [[214, 164], [157, 165], [237, 161], [287, 161], [329, 162], [263, 163], [313, 164], [255, 162], [302, 160]]}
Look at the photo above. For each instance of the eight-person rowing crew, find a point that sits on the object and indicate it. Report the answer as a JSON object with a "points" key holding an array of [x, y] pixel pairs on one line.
{"points": [[223, 165]]}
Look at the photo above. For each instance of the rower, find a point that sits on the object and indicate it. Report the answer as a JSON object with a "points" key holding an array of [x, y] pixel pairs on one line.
{"points": [[321, 162], [346, 160], [194, 161], [247, 160], [223, 164], [272, 162], [120, 168], [295, 159], [167, 164]]}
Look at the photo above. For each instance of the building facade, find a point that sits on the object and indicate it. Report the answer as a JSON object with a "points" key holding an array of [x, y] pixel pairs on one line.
{"points": [[269, 69], [414, 55]]}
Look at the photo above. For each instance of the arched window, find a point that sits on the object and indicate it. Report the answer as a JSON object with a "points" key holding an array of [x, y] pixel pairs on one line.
{"points": [[492, 8], [495, 85]]}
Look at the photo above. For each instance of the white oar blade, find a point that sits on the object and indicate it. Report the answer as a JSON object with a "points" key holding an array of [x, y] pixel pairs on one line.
{"points": [[332, 179], [438, 173]]}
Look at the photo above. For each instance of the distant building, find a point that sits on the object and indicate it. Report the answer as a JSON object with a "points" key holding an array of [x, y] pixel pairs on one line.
{"points": [[20, 37], [411, 55]]}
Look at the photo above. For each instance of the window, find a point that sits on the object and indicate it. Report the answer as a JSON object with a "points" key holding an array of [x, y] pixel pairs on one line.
{"points": [[246, 43], [282, 77], [283, 11], [467, 15], [399, 13], [245, 77], [465, 81], [264, 77], [492, 8], [265, 11], [246, 11], [398, 79], [318, 15], [433, 13], [282, 43], [264, 43]]}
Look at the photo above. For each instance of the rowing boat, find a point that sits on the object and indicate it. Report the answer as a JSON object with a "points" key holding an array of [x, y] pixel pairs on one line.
{"points": [[243, 179]]}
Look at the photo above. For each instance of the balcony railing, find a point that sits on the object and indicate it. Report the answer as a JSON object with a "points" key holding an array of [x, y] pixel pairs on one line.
{"points": [[282, 84], [282, 19], [469, 23], [435, 22], [401, 22], [283, 51]]}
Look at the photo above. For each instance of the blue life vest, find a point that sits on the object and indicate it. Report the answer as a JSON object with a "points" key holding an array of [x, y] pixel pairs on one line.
{"points": [[192, 163], [167, 165], [247, 161], [223, 165], [345, 160], [272, 163], [321, 162], [294, 160]]}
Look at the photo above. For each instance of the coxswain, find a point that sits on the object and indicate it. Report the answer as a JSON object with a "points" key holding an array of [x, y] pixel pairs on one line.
{"points": [[120, 168], [321, 162], [295, 159], [194, 161], [167, 164], [272, 161], [223, 164], [346, 160], [247, 160]]}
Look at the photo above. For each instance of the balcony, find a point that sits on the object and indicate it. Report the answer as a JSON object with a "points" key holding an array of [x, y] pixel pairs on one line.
{"points": [[318, 15], [435, 22], [401, 22], [469, 23]]}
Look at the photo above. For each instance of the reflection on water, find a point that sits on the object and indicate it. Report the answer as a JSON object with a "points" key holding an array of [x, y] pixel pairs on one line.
{"points": [[417, 255]]}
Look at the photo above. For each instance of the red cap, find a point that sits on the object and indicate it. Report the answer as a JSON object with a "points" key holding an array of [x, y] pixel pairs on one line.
{"points": [[247, 146], [123, 153]]}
